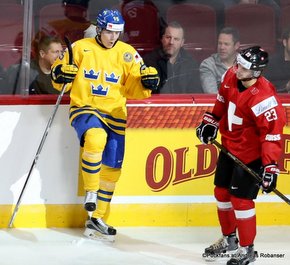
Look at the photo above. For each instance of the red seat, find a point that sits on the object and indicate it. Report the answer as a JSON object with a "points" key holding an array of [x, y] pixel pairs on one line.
{"points": [[285, 17], [142, 26], [284, 3], [11, 33], [255, 23], [53, 21], [199, 23]]}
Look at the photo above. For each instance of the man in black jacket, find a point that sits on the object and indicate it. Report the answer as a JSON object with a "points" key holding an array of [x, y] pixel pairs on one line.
{"points": [[278, 71], [178, 71]]}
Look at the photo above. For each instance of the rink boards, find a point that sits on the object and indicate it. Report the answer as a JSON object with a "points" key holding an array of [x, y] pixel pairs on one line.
{"points": [[167, 176]]}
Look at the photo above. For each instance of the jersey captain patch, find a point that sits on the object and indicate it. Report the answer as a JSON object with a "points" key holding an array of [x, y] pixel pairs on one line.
{"points": [[264, 106]]}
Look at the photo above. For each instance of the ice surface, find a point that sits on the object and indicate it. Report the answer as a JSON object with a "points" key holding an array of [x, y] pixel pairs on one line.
{"points": [[133, 246]]}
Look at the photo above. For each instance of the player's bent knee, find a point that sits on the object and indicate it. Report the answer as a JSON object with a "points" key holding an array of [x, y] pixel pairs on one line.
{"points": [[242, 204], [222, 194], [92, 156], [95, 140]]}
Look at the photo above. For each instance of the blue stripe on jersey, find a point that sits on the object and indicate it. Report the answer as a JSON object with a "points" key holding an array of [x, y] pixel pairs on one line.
{"points": [[95, 171], [91, 164], [107, 116], [106, 192], [116, 127], [104, 199]]}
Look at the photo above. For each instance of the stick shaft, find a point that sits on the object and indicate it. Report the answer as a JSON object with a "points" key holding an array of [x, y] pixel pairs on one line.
{"points": [[42, 139], [36, 156], [250, 171]]}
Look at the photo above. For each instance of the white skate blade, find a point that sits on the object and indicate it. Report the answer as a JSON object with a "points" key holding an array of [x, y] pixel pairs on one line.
{"points": [[90, 214], [95, 235]]}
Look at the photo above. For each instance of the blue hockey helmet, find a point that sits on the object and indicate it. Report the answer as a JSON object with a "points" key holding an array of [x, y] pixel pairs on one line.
{"points": [[111, 20]]}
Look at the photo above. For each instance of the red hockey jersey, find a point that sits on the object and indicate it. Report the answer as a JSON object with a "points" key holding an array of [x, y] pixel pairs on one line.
{"points": [[251, 121]]}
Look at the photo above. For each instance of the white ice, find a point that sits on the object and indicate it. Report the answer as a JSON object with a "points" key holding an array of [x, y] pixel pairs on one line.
{"points": [[133, 245]]}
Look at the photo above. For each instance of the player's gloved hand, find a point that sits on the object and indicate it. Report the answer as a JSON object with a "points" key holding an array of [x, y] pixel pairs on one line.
{"points": [[207, 130], [269, 174], [64, 73], [149, 77]]}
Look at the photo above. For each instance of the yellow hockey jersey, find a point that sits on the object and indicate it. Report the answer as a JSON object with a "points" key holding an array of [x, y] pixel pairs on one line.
{"points": [[105, 79]]}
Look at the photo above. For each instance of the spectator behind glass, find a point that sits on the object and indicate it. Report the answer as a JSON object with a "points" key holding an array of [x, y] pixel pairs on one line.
{"points": [[74, 23], [177, 69], [3, 84], [48, 50], [212, 68], [278, 71]]}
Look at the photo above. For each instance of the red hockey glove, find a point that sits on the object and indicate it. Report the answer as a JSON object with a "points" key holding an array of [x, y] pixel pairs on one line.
{"points": [[208, 128], [269, 174]]}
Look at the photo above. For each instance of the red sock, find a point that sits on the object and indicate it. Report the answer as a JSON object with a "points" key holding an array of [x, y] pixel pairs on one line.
{"points": [[246, 220], [225, 211]]}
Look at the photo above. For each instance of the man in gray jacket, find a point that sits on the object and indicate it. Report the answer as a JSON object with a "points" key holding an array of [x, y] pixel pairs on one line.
{"points": [[212, 68]]}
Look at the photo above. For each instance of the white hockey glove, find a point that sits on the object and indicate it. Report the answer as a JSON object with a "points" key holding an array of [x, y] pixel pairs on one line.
{"points": [[207, 130]]}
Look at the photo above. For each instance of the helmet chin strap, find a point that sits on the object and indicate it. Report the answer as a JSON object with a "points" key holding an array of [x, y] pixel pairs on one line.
{"points": [[98, 39], [255, 75], [247, 79]]}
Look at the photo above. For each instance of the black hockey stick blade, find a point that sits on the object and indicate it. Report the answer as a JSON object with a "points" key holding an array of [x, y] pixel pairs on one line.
{"points": [[249, 170], [69, 48]]}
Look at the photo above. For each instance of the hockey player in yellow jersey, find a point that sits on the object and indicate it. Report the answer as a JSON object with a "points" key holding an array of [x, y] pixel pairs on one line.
{"points": [[105, 72]]}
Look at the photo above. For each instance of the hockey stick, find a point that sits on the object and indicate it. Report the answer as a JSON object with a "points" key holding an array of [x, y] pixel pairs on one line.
{"points": [[68, 44], [252, 172]]}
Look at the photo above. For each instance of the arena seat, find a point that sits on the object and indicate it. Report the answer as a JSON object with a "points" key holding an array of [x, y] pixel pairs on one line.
{"points": [[142, 27], [53, 21], [285, 17], [199, 23], [255, 23], [11, 33], [284, 3]]}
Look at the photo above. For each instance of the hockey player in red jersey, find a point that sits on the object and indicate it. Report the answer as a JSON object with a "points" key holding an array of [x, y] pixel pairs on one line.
{"points": [[250, 118]]}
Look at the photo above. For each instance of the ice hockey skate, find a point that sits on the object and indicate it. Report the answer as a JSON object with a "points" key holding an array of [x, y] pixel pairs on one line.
{"points": [[97, 229], [243, 256], [222, 249], [90, 202]]}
